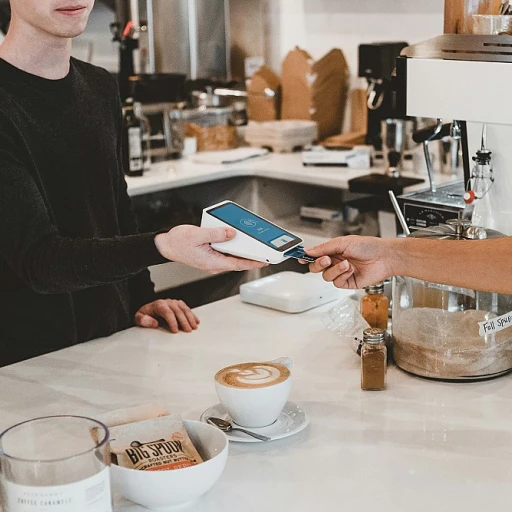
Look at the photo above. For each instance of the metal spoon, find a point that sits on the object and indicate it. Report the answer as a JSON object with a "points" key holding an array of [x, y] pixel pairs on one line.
{"points": [[225, 426]]}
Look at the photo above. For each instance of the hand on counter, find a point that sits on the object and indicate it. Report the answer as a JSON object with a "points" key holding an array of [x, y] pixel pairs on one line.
{"points": [[352, 261], [191, 245], [175, 313]]}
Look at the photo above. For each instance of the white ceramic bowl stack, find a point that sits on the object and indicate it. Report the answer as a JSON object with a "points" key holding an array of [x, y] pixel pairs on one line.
{"points": [[173, 489]]}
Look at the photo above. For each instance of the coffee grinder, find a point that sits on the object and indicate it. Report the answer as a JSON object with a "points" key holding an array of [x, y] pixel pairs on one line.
{"points": [[386, 130], [377, 63]]}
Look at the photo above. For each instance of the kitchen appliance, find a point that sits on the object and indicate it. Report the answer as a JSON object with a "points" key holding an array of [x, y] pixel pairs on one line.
{"points": [[179, 36], [474, 69], [425, 208], [437, 328], [442, 331], [377, 63], [393, 144], [162, 97], [437, 204]]}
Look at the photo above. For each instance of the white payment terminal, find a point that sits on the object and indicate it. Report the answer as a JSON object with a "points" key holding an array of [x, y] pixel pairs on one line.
{"points": [[256, 238]]}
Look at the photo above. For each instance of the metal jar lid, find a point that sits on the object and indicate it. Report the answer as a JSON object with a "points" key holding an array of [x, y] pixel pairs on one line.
{"points": [[375, 289], [374, 336], [456, 229]]}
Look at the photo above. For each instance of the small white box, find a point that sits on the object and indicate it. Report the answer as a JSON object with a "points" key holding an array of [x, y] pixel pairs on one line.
{"points": [[291, 292], [357, 157]]}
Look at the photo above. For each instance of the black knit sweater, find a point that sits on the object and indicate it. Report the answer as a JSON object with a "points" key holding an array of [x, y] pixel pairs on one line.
{"points": [[72, 267]]}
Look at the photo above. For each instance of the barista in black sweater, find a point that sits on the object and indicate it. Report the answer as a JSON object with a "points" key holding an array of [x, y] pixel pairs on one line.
{"points": [[72, 266]]}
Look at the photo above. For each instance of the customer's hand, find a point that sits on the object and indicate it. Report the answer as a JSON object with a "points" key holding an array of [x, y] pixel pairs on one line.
{"points": [[352, 261], [191, 245], [175, 313]]}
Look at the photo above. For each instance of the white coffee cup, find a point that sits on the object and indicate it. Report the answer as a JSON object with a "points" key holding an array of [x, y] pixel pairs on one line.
{"points": [[256, 401]]}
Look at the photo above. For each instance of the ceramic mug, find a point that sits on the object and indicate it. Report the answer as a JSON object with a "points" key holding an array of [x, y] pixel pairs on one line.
{"points": [[255, 393]]}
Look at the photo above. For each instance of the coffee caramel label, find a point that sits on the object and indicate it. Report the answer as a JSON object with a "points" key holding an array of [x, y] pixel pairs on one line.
{"points": [[253, 375], [89, 495]]}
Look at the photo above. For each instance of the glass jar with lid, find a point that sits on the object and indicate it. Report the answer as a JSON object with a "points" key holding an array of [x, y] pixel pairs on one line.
{"points": [[374, 306], [373, 360], [437, 328]]}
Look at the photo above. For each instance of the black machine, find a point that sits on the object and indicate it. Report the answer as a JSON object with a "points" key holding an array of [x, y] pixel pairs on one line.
{"points": [[377, 63]]}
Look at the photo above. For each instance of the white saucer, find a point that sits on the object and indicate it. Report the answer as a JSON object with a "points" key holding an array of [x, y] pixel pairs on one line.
{"points": [[292, 419]]}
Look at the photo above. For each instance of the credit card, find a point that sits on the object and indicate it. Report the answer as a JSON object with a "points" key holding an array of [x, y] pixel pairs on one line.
{"points": [[299, 254]]}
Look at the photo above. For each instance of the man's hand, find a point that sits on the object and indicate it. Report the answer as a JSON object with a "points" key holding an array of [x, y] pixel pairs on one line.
{"points": [[191, 245], [352, 261], [175, 313]]}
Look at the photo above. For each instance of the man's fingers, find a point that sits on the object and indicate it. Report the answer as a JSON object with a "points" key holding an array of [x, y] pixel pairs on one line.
{"points": [[143, 320], [243, 264], [227, 263], [176, 314], [336, 270], [181, 317], [170, 318], [342, 281], [320, 264], [334, 246], [216, 235], [192, 319]]}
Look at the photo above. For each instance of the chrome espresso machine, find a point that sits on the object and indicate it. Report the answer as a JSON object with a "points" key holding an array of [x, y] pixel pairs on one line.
{"points": [[442, 331], [464, 77]]}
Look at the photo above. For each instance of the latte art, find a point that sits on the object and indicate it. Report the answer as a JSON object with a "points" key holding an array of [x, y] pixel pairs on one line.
{"points": [[253, 375]]}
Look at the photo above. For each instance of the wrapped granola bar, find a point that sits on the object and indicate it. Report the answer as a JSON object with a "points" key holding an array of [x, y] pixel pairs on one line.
{"points": [[154, 445]]}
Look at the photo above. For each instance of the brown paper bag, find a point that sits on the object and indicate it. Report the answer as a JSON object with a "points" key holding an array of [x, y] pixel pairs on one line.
{"points": [[259, 106], [358, 122], [315, 90], [296, 84]]}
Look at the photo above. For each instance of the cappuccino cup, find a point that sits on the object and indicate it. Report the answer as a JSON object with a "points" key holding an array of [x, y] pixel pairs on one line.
{"points": [[254, 393]]}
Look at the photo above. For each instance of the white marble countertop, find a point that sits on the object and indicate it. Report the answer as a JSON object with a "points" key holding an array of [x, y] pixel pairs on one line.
{"points": [[287, 167], [418, 446]]}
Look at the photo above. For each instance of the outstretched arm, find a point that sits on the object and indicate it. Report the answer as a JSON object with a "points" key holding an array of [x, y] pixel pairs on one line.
{"points": [[356, 262]]}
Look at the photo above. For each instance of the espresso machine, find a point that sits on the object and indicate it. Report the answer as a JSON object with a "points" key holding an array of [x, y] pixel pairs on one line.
{"points": [[442, 331], [377, 64], [474, 70]]}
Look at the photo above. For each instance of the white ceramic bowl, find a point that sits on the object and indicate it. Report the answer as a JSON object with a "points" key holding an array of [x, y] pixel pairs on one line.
{"points": [[168, 490]]}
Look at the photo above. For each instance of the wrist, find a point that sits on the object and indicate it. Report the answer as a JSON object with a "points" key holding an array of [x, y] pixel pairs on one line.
{"points": [[162, 245], [396, 256]]}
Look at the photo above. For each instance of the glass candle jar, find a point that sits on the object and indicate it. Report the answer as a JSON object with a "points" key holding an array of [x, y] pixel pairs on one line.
{"points": [[55, 464]]}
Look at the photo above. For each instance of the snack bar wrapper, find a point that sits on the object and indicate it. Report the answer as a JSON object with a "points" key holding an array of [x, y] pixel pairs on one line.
{"points": [[154, 445]]}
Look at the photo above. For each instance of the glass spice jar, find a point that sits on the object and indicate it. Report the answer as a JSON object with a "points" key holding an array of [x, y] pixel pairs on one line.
{"points": [[373, 360], [374, 306]]}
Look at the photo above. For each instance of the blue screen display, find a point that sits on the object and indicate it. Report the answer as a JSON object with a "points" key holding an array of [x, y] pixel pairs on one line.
{"points": [[254, 226]]}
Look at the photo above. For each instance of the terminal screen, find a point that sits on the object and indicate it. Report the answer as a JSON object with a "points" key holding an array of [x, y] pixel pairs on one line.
{"points": [[254, 226]]}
